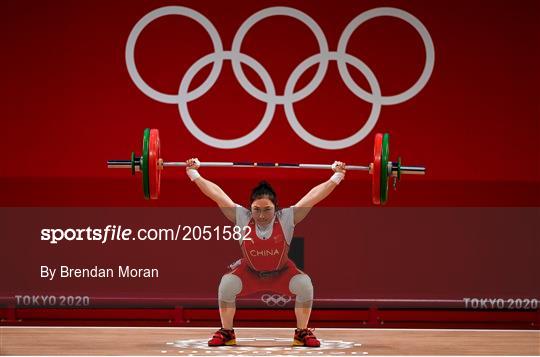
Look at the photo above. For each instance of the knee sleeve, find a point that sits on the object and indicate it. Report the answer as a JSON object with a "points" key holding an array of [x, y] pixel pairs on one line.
{"points": [[229, 287], [301, 286]]}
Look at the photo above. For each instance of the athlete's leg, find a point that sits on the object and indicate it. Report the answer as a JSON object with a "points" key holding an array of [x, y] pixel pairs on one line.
{"points": [[301, 286], [229, 287]]}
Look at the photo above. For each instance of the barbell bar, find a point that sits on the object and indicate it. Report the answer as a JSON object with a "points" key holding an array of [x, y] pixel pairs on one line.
{"points": [[150, 164]]}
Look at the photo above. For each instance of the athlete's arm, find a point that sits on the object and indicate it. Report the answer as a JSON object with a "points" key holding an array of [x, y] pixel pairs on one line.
{"points": [[211, 190], [319, 192]]}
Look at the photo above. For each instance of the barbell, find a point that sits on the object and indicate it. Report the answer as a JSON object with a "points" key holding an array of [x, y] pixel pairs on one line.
{"points": [[150, 164]]}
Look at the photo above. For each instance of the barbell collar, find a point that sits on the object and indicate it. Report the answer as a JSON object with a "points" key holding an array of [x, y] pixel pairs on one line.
{"points": [[123, 164], [413, 170]]}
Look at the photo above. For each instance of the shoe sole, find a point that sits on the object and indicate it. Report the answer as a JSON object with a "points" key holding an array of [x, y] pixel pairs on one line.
{"points": [[298, 343], [228, 343]]}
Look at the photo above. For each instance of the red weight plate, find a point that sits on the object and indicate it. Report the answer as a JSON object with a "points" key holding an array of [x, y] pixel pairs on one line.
{"points": [[376, 171], [159, 167], [154, 172]]}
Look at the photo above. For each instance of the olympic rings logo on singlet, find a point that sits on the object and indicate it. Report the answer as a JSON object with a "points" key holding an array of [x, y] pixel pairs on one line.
{"points": [[275, 299]]}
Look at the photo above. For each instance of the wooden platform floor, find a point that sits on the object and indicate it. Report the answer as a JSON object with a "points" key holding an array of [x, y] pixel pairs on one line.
{"points": [[263, 342]]}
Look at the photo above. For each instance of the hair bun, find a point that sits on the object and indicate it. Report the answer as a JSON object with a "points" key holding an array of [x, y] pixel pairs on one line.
{"points": [[264, 190]]}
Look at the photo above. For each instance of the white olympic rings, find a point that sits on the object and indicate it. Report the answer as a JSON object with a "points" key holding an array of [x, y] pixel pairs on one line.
{"points": [[289, 96], [275, 299]]}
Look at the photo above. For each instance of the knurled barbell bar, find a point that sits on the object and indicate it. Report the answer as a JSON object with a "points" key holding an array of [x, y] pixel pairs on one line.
{"points": [[150, 164]]}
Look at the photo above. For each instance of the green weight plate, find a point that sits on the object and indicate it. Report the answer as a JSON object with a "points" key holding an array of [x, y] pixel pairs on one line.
{"points": [[144, 164], [384, 168]]}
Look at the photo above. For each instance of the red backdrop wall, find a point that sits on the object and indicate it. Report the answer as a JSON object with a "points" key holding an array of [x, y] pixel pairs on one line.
{"points": [[69, 104]]}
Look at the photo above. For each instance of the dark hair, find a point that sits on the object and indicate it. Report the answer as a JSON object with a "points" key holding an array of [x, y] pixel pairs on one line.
{"points": [[264, 190]]}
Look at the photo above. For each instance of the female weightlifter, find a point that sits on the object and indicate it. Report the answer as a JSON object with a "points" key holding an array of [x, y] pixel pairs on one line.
{"points": [[265, 265]]}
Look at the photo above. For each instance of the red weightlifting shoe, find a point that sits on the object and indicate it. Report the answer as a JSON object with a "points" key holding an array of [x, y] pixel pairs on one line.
{"points": [[223, 337], [305, 337]]}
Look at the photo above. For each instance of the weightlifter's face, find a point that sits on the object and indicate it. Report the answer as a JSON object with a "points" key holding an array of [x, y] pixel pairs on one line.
{"points": [[262, 211]]}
